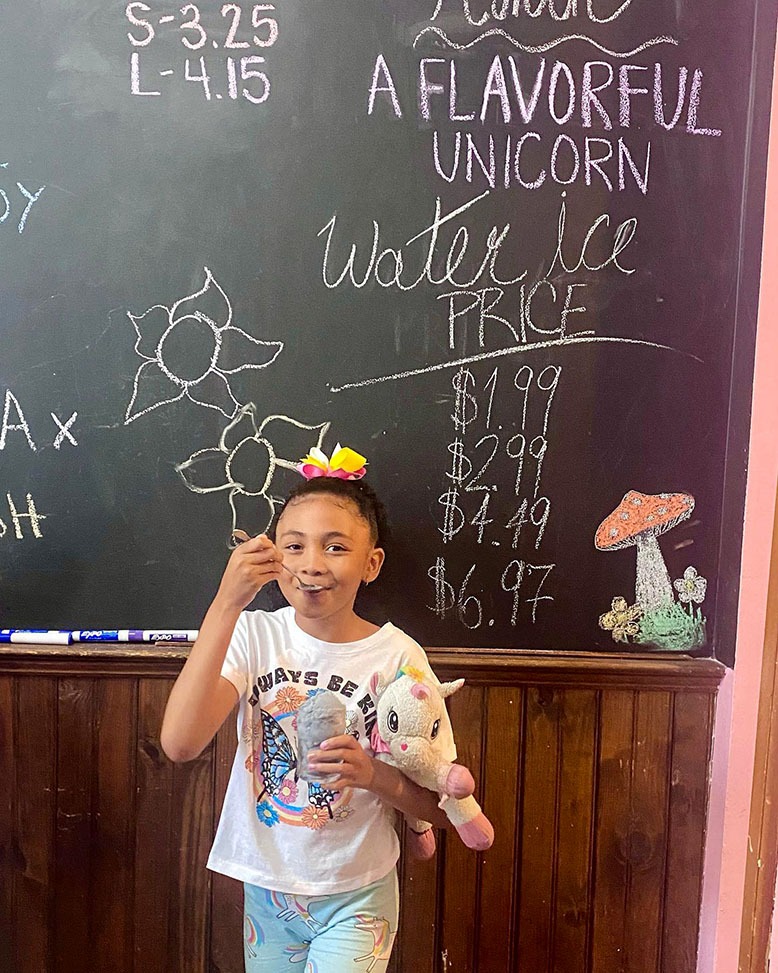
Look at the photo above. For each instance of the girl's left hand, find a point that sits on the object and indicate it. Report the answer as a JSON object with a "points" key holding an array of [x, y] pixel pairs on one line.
{"points": [[344, 756]]}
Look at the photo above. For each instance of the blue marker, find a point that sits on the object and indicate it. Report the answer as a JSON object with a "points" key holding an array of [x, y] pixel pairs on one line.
{"points": [[134, 635], [35, 636]]}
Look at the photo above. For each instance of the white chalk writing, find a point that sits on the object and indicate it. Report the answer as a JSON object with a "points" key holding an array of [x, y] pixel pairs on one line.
{"points": [[232, 77]]}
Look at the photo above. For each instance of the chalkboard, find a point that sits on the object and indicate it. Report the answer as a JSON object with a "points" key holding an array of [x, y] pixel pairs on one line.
{"points": [[508, 250]]}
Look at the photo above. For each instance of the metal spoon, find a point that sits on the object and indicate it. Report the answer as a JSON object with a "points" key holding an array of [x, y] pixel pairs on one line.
{"points": [[240, 536], [303, 584]]}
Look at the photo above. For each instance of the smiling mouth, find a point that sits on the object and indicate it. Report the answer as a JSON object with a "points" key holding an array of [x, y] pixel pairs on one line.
{"points": [[314, 588]]}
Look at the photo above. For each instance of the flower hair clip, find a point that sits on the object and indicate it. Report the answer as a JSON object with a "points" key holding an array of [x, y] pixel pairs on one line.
{"points": [[344, 464]]}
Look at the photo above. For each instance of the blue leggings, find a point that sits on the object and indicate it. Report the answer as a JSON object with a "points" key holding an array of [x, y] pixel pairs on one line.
{"points": [[350, 932]]}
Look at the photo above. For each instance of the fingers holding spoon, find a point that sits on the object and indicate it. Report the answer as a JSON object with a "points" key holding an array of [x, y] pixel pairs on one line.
{"points": [[240, 536]]}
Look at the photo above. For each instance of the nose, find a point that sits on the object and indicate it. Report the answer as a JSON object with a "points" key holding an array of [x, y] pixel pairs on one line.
{"points": [[312, 564], [403, 746]]}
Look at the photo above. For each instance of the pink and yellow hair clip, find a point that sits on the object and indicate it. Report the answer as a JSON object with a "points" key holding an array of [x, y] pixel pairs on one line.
{"points": [[344, 464]]}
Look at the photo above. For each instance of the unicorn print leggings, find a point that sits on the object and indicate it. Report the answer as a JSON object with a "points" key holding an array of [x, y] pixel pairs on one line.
{"points": [[350, 932]]}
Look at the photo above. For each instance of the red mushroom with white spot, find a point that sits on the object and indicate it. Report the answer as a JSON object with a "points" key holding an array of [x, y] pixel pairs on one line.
{"points": [[639, 519]]}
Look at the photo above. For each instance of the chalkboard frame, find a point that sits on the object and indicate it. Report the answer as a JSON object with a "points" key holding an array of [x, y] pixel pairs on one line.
{"points": [[80, 573], [748, 290]]}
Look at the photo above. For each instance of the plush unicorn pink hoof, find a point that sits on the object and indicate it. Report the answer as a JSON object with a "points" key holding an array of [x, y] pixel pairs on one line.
{"points": [[421, 845], [459, 782], [477, 834]]}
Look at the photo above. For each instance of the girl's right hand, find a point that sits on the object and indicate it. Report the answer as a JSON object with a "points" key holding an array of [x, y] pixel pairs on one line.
{"points": [[252, 564]]}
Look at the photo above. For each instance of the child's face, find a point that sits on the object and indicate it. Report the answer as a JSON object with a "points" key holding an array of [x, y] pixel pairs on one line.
{"points": [[326, 541]]}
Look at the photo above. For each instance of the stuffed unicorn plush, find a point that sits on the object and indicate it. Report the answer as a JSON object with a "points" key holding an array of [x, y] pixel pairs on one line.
{"points": [[409, 711]]}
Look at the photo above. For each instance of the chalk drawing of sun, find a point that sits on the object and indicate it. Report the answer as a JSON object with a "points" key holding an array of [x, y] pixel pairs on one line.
{"points": [[246, 463], [190, 350]]}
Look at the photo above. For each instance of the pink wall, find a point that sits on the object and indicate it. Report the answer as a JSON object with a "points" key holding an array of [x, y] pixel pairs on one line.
{"points": [[736, 721]]}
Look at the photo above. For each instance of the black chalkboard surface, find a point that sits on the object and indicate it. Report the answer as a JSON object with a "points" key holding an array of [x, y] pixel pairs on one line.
{"points": [[508, 250]]}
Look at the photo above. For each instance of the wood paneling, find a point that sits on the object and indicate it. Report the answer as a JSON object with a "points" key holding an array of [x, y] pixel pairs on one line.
{"points": [[594, 771], [762, 853]]}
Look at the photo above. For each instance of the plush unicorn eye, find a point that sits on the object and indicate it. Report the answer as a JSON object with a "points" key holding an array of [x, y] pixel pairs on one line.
{"points": [[393, 721], [435, 728]]}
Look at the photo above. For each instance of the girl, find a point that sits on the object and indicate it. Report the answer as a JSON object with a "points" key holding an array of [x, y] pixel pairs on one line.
{"points": [[317, 860]]}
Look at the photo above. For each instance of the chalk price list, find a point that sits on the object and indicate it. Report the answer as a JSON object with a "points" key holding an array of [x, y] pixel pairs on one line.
{"points": [[237, 76], [471, 492]]}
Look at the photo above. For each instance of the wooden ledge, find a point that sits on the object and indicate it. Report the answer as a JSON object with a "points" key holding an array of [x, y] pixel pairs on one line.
{"points": [[659, 670], [493, 667]]}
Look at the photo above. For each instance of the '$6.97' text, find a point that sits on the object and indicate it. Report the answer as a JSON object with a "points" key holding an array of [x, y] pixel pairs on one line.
{"points": [[518, 577]]}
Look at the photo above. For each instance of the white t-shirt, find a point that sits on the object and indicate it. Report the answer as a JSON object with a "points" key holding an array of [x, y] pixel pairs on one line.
{"points": [[278, 831]]}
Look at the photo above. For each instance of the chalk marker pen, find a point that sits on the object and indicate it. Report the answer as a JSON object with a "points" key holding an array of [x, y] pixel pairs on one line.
{"points": [[134, 635], [35, 636]]}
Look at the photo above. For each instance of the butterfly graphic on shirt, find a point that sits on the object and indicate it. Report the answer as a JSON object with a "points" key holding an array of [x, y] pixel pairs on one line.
{"points": [[278, 758], [321, 797], [279, 761]]}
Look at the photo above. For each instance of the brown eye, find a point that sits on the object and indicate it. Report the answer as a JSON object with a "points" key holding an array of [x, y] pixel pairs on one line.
{"points": [[435, 728], [393, 721]]}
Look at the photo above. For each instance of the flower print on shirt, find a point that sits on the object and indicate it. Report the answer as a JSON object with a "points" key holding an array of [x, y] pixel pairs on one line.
{"points": [[289, 699], [281, 797]]}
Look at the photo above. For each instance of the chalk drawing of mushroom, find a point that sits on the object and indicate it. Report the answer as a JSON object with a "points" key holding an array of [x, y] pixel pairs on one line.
{"points": [[638, 521], [189, 351], [246, 461]]}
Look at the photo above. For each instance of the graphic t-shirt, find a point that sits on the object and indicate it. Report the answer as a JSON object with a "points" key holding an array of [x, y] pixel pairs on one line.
{"points": [[277, 830]]}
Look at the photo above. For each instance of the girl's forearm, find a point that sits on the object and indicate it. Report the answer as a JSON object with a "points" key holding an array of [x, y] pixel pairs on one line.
{"points": [[200, 699], [392, 786]]}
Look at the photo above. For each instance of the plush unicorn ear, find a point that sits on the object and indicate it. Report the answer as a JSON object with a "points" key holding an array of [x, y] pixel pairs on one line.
{"points": [[449, 688], [377, 685], [420, 691]]}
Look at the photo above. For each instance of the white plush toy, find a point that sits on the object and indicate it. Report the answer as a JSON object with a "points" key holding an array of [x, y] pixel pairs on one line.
{"points": [[409, 713]]}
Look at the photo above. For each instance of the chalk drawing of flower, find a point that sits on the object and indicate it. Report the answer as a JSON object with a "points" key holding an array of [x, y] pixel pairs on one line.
{"points": [[267, 814], [691, 587], [621, 620], [189, 351], [246, 462]]}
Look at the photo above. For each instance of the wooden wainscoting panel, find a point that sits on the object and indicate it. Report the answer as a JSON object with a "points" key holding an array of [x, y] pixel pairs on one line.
{"points": [[539, 792], [689, 784], [500, 779], [556, 830], [594, 771], [35, 785], [578, 724], [226, 927], [113, 834], [421, 895], [458, 946], [191, 834], [74, 847], [647, 836], [419, 940], [611, 872], [155, 855], [8, 795]]}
